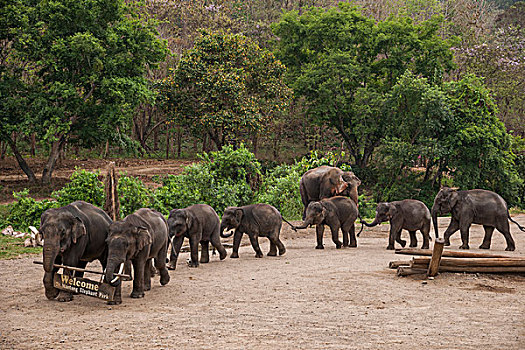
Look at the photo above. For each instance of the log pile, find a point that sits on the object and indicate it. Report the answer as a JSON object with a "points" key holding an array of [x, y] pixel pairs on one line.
{"points": [[451, 261]]}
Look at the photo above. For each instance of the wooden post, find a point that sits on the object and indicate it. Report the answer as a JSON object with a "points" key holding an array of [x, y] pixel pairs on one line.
{"points": [[433, 267], [112, 204]]}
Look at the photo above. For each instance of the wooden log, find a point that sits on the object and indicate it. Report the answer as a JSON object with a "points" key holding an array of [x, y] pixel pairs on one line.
{"points": [[448, 253], [433, 266], [406, 270], [396, 263], [476, 262], [476, 269]]}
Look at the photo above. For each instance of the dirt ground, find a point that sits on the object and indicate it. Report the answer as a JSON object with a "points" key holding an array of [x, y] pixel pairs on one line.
{"points": [[306, 299]]}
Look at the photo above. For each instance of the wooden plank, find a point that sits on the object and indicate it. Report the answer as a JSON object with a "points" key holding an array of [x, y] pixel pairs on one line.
{"points": [[433, 266], [476, 269], [448, 253], [476, 262], [80, 270]]}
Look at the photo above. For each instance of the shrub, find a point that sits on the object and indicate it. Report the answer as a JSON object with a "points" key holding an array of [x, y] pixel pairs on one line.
{"points": [[133, 195], [280, 188], [84, 186], [26, 211]]}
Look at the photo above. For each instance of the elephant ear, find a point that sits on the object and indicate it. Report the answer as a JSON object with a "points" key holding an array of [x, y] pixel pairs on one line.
{"points": [[238, 214], [189, 220], [392, 211], [78, 230], [453, 199], [142, 238]]}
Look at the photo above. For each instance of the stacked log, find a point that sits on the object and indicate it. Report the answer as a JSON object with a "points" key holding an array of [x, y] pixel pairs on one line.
{"points": [[455, 262]]}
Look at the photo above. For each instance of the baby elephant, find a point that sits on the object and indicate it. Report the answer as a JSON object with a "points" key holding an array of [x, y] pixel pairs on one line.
{"points": [[139, 237], [408, 214], [336, 212], [198, 223], [255, 220]]}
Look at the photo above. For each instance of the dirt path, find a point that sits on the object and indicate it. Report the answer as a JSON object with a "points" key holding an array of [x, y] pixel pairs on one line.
{"points": [[306, 299]]}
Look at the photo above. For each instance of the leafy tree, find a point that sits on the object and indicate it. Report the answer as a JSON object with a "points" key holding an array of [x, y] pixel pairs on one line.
{"points": [[344, 63], [227, 86], [83, 63]]}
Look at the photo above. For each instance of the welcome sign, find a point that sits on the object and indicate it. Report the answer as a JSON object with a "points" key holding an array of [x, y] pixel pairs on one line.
{"points": [[79, 285]]}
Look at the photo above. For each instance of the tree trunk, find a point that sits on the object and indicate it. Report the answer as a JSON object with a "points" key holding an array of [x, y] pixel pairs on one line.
{"points": [[21, 161], [33, 144], [167, 143], [3, 149], [179, 141], [56, 148]]}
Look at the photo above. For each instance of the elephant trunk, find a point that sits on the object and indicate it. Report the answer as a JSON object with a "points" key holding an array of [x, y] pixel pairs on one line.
{"points": [[223, 227], [50, 253], [305, 224], [372, 224], [435, 211], [112, 266]]}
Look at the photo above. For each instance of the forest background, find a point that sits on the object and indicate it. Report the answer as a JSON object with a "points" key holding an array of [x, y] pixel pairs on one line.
{"points": [[410, 95]]}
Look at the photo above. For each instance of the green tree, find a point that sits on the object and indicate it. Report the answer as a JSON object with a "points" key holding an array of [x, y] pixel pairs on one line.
{"points": [[227, 86], [344, 63], [83, 63]]}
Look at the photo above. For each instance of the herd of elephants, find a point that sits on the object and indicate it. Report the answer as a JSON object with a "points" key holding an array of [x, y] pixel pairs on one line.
{"points": [[79, 232]]}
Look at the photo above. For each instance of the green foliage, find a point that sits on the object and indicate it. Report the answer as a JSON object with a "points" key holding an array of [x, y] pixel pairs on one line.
{"points": [[317, 158], [133, 195], [367, 207], [280, 188], [84, 186], [26, 211]]}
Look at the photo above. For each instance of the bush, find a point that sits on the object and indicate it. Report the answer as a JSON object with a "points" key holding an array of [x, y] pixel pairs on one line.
{"points": [[316, 159], [27, 211], [84, 186], [133, 195], [280, 188]]}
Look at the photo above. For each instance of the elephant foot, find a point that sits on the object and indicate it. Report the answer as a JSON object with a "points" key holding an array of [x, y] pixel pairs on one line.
{"points": [[64, 297], [52, 293], [234, 255], [338, 245], [272, 253], [447, 243], [205, 261], [390, 247], [510, 249], [464, 246], [319, 246], [346, 245], [484, 246], [425, 246], [282, 251], [115, 302], [172, 265], [164, 277], [259, 255], [402, 243], [192, 263], [353, 245], [412, 245], [223, 255], [147, 287], [137, 295]]}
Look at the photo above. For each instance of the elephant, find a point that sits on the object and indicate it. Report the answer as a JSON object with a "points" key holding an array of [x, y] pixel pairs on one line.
{"points": [[476, 206], [325, 182], [74, 235], [255, 220], [198, 223], [337, 212], [408, 214], [139, 237]]}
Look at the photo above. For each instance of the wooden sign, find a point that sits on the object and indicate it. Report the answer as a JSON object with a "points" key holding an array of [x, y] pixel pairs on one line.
{"points": [[84, 286]]}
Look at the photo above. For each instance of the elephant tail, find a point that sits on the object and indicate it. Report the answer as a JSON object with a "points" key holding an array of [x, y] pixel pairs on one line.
{"points": [[362, 223], [292, 226], [519, 226]]}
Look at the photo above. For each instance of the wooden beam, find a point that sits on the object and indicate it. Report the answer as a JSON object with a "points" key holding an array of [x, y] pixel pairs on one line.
{"points": [[476, 269], [433, 266], [396, 263], [448, 253], [476, 262], [407, 270]]}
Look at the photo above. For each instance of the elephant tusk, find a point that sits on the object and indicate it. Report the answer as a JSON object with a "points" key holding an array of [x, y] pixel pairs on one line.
{"points": [[119, 272]]}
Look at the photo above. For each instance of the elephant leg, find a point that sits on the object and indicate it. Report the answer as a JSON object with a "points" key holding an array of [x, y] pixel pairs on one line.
{"points": [[345, 230], [160, 265], [194, 251], [117, 297], [426, 238], [273, 247], [205, 252], [279, 244], [451, 229], [138, 279], [176, 244], [413, 239], [394, 236], [216, 242], [504, 227], [489, 230], [236, 243], [127, 271], [254, 240], [319, 231], [464, 229], [353, 239], [335, 236], [147, 275]]}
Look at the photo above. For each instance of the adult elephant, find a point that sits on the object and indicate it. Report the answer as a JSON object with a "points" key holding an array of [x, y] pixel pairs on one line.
{"points": [[139, 237], [473, 207], [408, 214], [73, 235], [325, 182]]}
